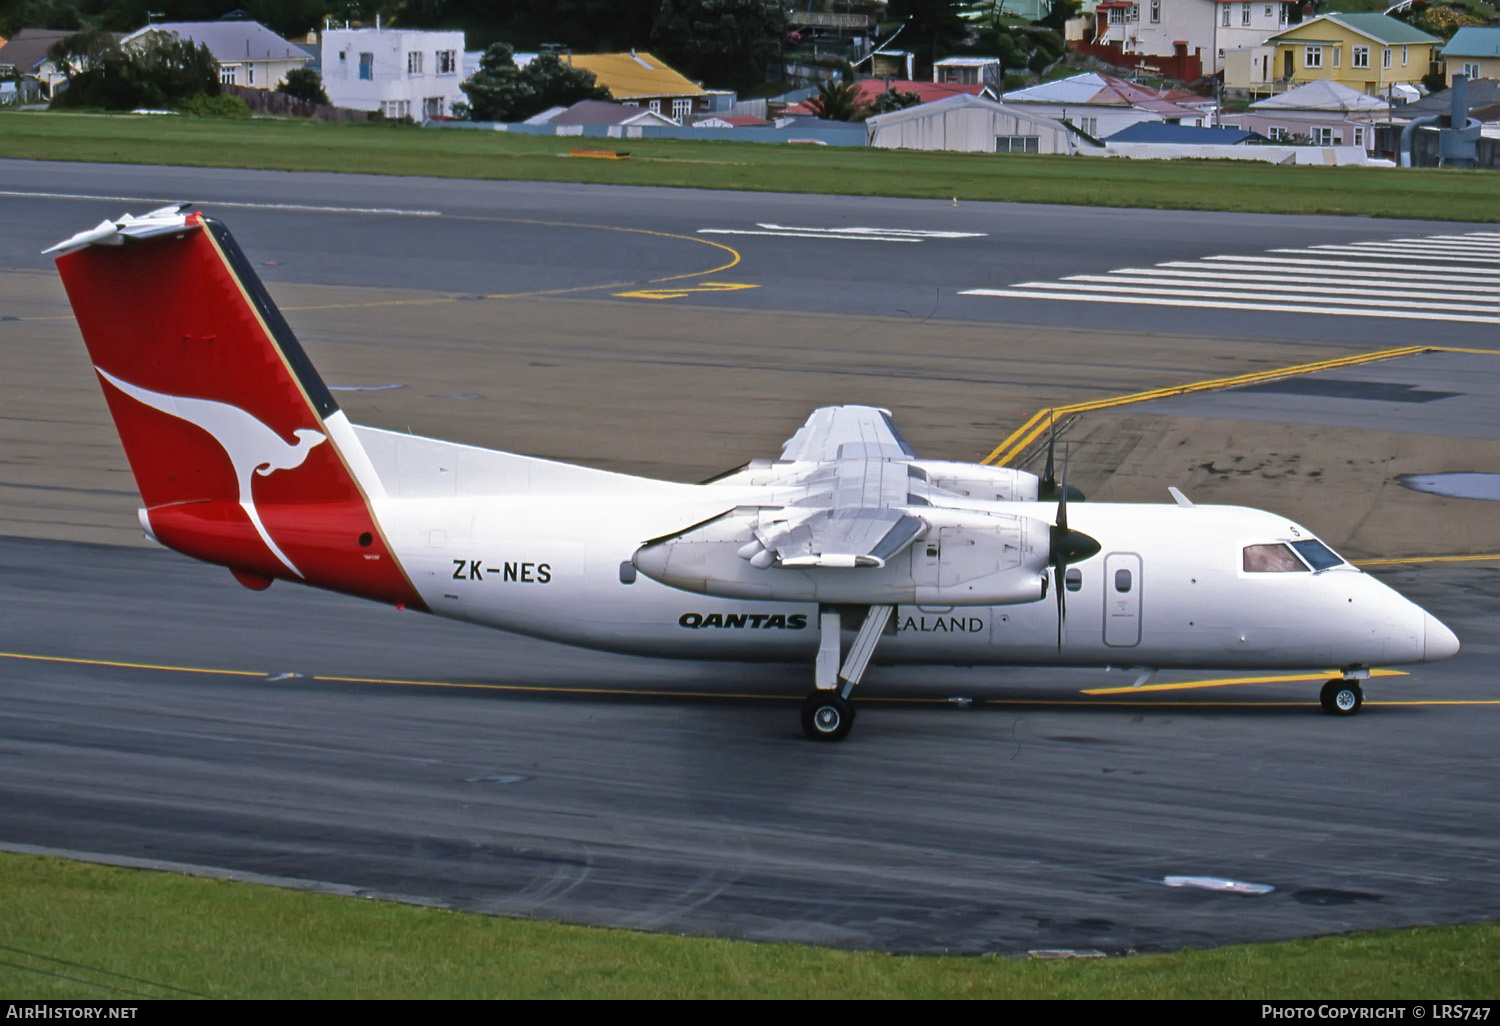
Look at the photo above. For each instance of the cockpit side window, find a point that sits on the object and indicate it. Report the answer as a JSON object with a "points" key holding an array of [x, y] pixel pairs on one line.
{"points": [[1318, 555], [1272, 559]]}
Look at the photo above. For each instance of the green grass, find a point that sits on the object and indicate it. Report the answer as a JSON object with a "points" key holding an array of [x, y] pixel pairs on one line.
{"points": [[1428, 193], [77, 930]]}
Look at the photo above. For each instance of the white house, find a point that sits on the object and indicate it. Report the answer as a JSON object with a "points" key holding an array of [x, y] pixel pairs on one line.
{"points": [[248, 53], [1101, 105], [970, 124], [398, 72], [1209, 28]]}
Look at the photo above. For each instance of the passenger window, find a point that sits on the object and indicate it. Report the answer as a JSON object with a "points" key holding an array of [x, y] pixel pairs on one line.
{"points": [[1122, 581], [1073, 580], [1272, 559]]}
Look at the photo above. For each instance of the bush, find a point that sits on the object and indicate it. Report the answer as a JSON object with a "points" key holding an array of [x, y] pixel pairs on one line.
{"points": [[304, 84], [162, 71], [224, 105]]}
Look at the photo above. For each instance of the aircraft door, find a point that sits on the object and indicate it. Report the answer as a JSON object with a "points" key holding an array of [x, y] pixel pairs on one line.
{"points": [[1122, 599]]}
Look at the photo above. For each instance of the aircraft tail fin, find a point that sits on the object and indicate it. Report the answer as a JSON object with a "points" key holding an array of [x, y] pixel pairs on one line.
{"points": [[240, 452]]}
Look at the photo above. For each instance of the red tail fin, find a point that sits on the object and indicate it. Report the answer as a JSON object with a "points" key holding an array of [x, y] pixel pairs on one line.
{"points": [[240, 452]]}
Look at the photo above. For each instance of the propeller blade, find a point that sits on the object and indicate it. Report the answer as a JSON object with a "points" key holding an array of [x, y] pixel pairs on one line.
{"points": [[1047, 488], [1068, 546]]}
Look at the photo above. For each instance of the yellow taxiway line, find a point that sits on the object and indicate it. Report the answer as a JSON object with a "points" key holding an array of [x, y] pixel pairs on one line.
{"points": [[1225, 682], [1486, 557], [1095, 695], [1017, 441]]}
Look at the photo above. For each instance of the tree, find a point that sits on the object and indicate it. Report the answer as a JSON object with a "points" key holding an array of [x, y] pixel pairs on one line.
{"points": [[891, 100], [304, 84], [157, 72], [726, 42], [933, 27], [500, 91], [839, 99]]}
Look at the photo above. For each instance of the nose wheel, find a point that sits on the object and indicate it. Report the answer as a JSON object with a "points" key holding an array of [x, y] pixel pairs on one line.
{"points": [[1341, 697]]}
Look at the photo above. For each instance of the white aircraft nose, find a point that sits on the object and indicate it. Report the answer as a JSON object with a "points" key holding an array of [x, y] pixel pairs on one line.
{"points": [[1441, 642]]}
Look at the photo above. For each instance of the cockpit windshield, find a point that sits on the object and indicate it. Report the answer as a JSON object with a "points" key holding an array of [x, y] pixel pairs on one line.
{"points": [[1278, 557], [1272, 559], [1318, 555]]}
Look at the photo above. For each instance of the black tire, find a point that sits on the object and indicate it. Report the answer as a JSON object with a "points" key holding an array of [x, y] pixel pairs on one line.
{"points": [[826, 716], [1341, 697]]}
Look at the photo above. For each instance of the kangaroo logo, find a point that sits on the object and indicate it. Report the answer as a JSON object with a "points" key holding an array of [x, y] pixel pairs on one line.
{"points": [[251, 446]]}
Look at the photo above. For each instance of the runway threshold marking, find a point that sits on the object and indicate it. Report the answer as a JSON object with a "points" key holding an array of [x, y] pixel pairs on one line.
{"points": [[1017, 441], [1093, 700]]}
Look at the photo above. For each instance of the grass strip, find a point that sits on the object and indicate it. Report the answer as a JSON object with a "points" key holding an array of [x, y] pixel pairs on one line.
{"points": [[1451, 194], [84, 931]]}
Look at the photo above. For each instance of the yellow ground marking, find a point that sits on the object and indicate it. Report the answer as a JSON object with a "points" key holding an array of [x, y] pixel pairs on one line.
{"points": [[686, 290], [1225, 682], [658, 693], [1482, 558], [128, 666], [1029, 432]]}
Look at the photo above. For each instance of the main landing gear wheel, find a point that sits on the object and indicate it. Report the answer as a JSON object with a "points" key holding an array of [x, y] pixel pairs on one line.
{"points": [[826, 716], [1342, 697]]}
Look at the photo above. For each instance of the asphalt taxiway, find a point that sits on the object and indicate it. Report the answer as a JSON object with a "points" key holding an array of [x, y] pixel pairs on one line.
{"points": [[352, 745]]}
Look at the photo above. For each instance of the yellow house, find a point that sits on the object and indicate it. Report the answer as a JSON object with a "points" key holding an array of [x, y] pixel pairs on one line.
{"points": [[641, 80], [1367, 52], [1474, 52]]}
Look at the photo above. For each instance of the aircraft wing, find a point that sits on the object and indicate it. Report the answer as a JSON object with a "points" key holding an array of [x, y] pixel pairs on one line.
{"points": [[847, 432], [842, 538]]}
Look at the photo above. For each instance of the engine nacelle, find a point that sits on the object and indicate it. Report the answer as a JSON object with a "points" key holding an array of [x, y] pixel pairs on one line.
{"points": [[976, 481], [964, 559]]}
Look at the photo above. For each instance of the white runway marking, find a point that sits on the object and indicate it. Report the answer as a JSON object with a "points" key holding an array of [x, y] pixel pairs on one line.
{"points": [[304, 207], [1453, 277], [848, 234]]}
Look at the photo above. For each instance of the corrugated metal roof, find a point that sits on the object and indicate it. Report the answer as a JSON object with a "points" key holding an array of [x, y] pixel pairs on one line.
{"points": [[1467, 42], [28, 47], [230, 41], [634, 76], [870, 90], [1323, 94], [1161, 132], [1380, 27]]}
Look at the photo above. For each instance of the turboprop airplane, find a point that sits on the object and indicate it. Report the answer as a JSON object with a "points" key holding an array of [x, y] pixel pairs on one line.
{"points": [[846, 546]]}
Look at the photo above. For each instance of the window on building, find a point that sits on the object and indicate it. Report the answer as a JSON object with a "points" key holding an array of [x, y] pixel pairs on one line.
{"points": [[1117, 15], [1277, 133], [1359, 136], [656, 106], [1472, 70], [249, 74], [229, 74], [1135, 12], [414, 63], [1312, 57], [1323, 136], [1403, 56], [1281, 15], [1338, 52], [1360, 58], [1090, 126], [1244, 14], [681, 109], [1224, 14], [1156, 12], [1385, 59], [1268, 11], [1018, 144], [432, 107], [447, 62], [367, 66]]}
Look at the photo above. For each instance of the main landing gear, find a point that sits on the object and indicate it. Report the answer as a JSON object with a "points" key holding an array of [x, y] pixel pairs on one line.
{"points": [[1341, 697], [827, 714]]}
